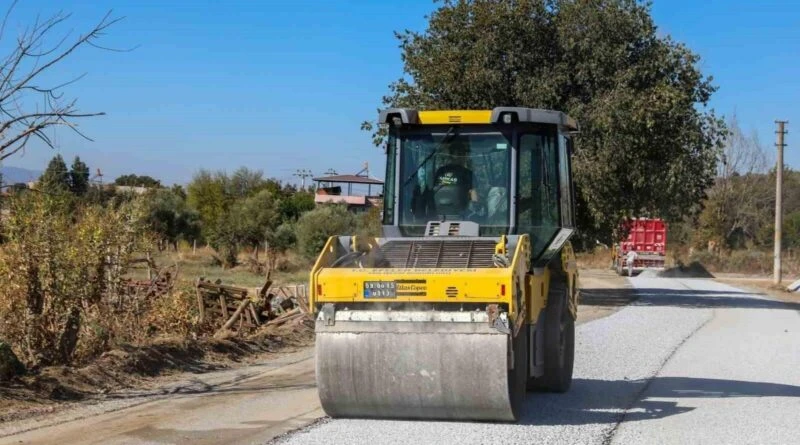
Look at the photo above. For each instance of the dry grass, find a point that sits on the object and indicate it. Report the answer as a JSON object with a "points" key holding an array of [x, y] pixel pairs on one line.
{"points": [[202, 263], [597, 259], [748, 261], [751, 261]]}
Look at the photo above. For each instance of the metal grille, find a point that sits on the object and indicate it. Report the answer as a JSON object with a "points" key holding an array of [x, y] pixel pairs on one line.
{"points": [[443, 254]]}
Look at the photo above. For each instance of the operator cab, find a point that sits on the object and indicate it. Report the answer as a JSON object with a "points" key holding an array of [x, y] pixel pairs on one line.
{"points": [[507, 170]]}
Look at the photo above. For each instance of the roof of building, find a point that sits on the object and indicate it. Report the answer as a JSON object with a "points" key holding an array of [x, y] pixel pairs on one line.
{"points": [[352, 179]]}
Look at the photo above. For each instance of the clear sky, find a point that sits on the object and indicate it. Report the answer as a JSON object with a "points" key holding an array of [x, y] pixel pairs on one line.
{"points": [[284, 85]]}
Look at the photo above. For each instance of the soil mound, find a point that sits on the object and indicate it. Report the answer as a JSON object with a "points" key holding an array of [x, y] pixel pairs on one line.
{"points": [[693, 270]]}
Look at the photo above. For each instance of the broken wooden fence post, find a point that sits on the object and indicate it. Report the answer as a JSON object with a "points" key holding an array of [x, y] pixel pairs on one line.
{"points": [[236, 314], [201, 305]]}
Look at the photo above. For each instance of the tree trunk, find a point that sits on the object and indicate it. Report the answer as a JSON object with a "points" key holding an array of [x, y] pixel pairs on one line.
{"points": [[34, 304], [69, 336]]}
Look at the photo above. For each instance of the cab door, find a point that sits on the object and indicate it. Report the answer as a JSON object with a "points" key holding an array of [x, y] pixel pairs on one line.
{"points": [[566, 187]]}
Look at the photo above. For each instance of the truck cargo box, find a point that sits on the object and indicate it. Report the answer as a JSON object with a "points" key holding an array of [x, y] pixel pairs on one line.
{"points": [[648, 238]]}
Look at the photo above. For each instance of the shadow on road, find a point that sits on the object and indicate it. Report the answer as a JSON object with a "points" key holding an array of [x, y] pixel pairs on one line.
{"points": [[607, 401], [606, 297], [680, 298]]}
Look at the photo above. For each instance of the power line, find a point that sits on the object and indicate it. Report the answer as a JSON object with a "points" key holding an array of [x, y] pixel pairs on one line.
{"points": [[303, 174]]}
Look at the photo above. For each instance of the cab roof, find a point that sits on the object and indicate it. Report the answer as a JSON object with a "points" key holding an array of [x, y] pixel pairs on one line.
{"points": [[410, 116]]}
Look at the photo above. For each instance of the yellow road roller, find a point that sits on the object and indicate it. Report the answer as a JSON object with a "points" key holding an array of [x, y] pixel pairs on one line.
{"points": [[468, 298]]}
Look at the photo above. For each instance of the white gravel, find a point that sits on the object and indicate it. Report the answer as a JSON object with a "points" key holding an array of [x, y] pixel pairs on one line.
{"points": [[615, 359], [736, 381]]}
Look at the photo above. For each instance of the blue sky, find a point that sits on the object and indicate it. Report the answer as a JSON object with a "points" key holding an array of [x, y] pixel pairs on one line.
{"points": [[284, 85]]}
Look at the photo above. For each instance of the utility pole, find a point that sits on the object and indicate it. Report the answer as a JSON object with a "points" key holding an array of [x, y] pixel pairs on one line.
{"points": [[781, 132], [303, 174]]}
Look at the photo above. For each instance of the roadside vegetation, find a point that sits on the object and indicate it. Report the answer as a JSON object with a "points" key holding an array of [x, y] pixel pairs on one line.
{"points": [[648, 146], [69, 247]]}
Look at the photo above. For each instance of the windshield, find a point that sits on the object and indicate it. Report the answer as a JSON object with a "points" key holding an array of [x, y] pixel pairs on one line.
{"points": [[454, 173]]}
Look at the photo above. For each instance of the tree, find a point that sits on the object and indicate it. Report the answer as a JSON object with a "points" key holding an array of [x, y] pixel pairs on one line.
{"points": [[178, 190], [245, 182], [79, 177], [279, 240], [647, 146], [224, 239], [32, 98], [98, 195], [295, 204], [254, 217], [315, 227], [207, 193], [740, 201], [132, 180], [170, 218], [248, 223], [791, 230], [55, 178]]}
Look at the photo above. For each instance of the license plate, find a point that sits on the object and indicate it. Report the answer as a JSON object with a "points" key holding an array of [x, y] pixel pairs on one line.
{"points": [[380, 289]]}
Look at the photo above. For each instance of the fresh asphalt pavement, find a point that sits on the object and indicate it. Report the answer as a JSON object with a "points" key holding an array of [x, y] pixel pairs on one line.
{"points": [[690, 361]]}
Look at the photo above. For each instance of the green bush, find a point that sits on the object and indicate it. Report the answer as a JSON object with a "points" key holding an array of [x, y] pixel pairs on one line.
{"points": [[791, 230], [369, 222], [281, 239], [315, 227]]}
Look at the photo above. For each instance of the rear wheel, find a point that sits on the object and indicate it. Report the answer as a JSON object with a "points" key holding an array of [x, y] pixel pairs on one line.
{"points": [[559, 341]]}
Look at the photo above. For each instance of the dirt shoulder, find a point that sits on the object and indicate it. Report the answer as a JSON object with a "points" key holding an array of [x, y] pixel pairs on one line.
{"points": [[762, 285], [603, 292], [142, 368]]}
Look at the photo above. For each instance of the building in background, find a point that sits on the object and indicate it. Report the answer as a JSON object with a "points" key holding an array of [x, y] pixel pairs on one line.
{"points": [[358, 191]]}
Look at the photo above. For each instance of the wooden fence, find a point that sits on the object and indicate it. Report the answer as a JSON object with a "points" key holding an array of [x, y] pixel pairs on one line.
{"points": [[239, 308]]}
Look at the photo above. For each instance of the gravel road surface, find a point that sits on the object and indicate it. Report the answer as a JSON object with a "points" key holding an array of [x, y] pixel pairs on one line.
{"points": [[691, 361]]}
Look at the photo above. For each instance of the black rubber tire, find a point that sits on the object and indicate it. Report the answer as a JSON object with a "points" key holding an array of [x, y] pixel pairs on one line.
{"points": [[559, 341], [518, 377]]}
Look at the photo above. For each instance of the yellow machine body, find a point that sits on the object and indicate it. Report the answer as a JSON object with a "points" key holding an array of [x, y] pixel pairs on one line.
{"points": [[451, 286], [450, 322]]}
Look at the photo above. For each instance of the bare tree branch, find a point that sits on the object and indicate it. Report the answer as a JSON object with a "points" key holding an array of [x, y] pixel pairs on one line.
{"points": [[5, 19], [28, 108]]}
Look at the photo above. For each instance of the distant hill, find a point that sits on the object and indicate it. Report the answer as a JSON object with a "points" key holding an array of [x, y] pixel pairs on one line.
{"points": [[13, 175]]}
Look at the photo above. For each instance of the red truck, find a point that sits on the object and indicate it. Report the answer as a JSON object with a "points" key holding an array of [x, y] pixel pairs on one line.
{"points": [[647, 237]]}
